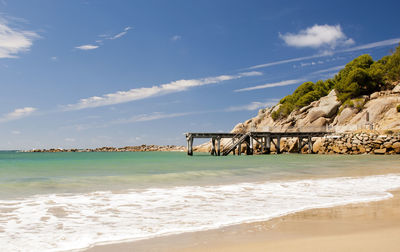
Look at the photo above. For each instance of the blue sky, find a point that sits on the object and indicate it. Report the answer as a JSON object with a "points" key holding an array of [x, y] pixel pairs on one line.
{"points": [[116, 73]]}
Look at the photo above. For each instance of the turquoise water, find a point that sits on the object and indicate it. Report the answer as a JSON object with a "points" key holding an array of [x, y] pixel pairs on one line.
{"points": [[23, 174], [69, 201]]}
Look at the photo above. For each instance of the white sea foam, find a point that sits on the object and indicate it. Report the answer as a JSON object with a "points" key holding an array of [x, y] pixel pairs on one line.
{"points": [[59, 222]]}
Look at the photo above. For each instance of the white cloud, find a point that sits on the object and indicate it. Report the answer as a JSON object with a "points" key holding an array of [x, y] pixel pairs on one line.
{"points": [[153, 116], [14, 41], [104, 36], [87, 47], [253, 106], [17, 114], [352, 49], [285, 61], [68, 139], [387, 42], [15, 132], [270, 85], [317, 36], [123, 33], [54, 58], [119, 35], [331, 69], [176, 38], [147, 92]]}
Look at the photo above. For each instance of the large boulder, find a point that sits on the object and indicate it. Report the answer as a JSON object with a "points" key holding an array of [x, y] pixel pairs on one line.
{"points": [[396, 89], [326, 107], [345, 116]]}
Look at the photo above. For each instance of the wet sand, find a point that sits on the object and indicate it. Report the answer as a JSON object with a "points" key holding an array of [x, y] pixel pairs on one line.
{"points": [[373, 226]]}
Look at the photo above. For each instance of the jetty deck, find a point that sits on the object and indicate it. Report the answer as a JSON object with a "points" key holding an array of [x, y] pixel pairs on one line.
{"points": [[265, 139]]}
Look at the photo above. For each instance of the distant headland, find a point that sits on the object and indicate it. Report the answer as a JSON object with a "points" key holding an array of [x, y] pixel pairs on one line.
{"points": [[139, 148]]}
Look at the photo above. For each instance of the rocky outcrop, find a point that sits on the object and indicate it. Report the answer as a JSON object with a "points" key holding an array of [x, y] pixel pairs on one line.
{"points": [[375, 112], [140, 148]]}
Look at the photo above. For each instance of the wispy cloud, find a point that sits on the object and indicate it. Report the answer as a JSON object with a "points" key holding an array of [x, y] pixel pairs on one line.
{"points": [[14, 41], [270, 85], [382, 43], [119, 35], [176, 38], [318, 36], [387, 42], [331, 69], [279, 62], [152, 116], [17, 114], [147, 92], [252, 106], [99, 42], [87, 47]]}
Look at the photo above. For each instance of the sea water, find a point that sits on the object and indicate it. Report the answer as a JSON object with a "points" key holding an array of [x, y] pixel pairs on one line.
{"points": [[71, 201]]}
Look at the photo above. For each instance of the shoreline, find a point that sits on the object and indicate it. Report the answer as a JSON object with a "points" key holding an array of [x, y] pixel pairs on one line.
{"points": [[376, 221]]}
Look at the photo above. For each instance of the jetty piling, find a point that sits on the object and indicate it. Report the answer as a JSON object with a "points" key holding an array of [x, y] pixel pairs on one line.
{"points": [[263, 138]]}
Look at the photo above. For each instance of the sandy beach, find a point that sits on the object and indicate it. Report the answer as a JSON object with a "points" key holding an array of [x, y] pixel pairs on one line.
{"points": [[373, 226]]}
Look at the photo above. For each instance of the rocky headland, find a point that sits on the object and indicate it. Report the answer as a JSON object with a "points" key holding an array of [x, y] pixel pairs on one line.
{"points": [[366, 124], [139, 148]]}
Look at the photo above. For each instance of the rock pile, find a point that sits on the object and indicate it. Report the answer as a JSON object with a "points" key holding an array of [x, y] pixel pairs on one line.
{"points": [[358, 143]]}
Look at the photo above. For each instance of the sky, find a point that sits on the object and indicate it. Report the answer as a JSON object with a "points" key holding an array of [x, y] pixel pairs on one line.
{"points": [[92, 73]]}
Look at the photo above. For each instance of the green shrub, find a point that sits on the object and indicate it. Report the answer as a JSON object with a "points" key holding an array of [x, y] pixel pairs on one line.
{"points": [[275, 115], [361, 76], [398, 108], [355, 80], [393, 66]]}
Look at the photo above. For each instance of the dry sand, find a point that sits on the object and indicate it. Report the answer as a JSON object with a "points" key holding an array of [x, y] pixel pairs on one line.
{"points": [[373, 226]]}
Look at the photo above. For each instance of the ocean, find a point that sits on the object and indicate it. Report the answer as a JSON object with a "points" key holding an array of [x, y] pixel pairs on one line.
{"points": [[71, 201]]}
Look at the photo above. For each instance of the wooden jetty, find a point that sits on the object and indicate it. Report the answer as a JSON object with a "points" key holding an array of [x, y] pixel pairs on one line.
{"points": [[265, 139]]}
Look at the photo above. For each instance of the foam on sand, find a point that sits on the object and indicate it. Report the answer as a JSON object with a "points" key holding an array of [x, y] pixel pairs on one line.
{"points": [[58, 222]]}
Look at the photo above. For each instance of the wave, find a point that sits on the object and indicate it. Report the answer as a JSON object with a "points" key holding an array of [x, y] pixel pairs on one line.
{"points": [[59, 222]]}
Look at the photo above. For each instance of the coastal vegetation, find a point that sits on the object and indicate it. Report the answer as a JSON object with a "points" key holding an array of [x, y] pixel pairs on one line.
{"points": [[361, 76]]}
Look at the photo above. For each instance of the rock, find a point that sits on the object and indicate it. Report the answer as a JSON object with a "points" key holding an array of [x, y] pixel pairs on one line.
{"points": [[387, 145], [320, 122], [327, 107], [336, 149], [396, 147], [374, 95], [319, 143], [380, 151], [396, 89]]}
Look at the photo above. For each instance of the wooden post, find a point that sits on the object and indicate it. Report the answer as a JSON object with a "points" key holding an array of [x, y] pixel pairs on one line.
{"points": [[310, 150], [300, 144], [278, 145], [268, 145], [213, 146], [251, 145], [218, 146], [239, 149], [190, 145], [248, 146]]}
